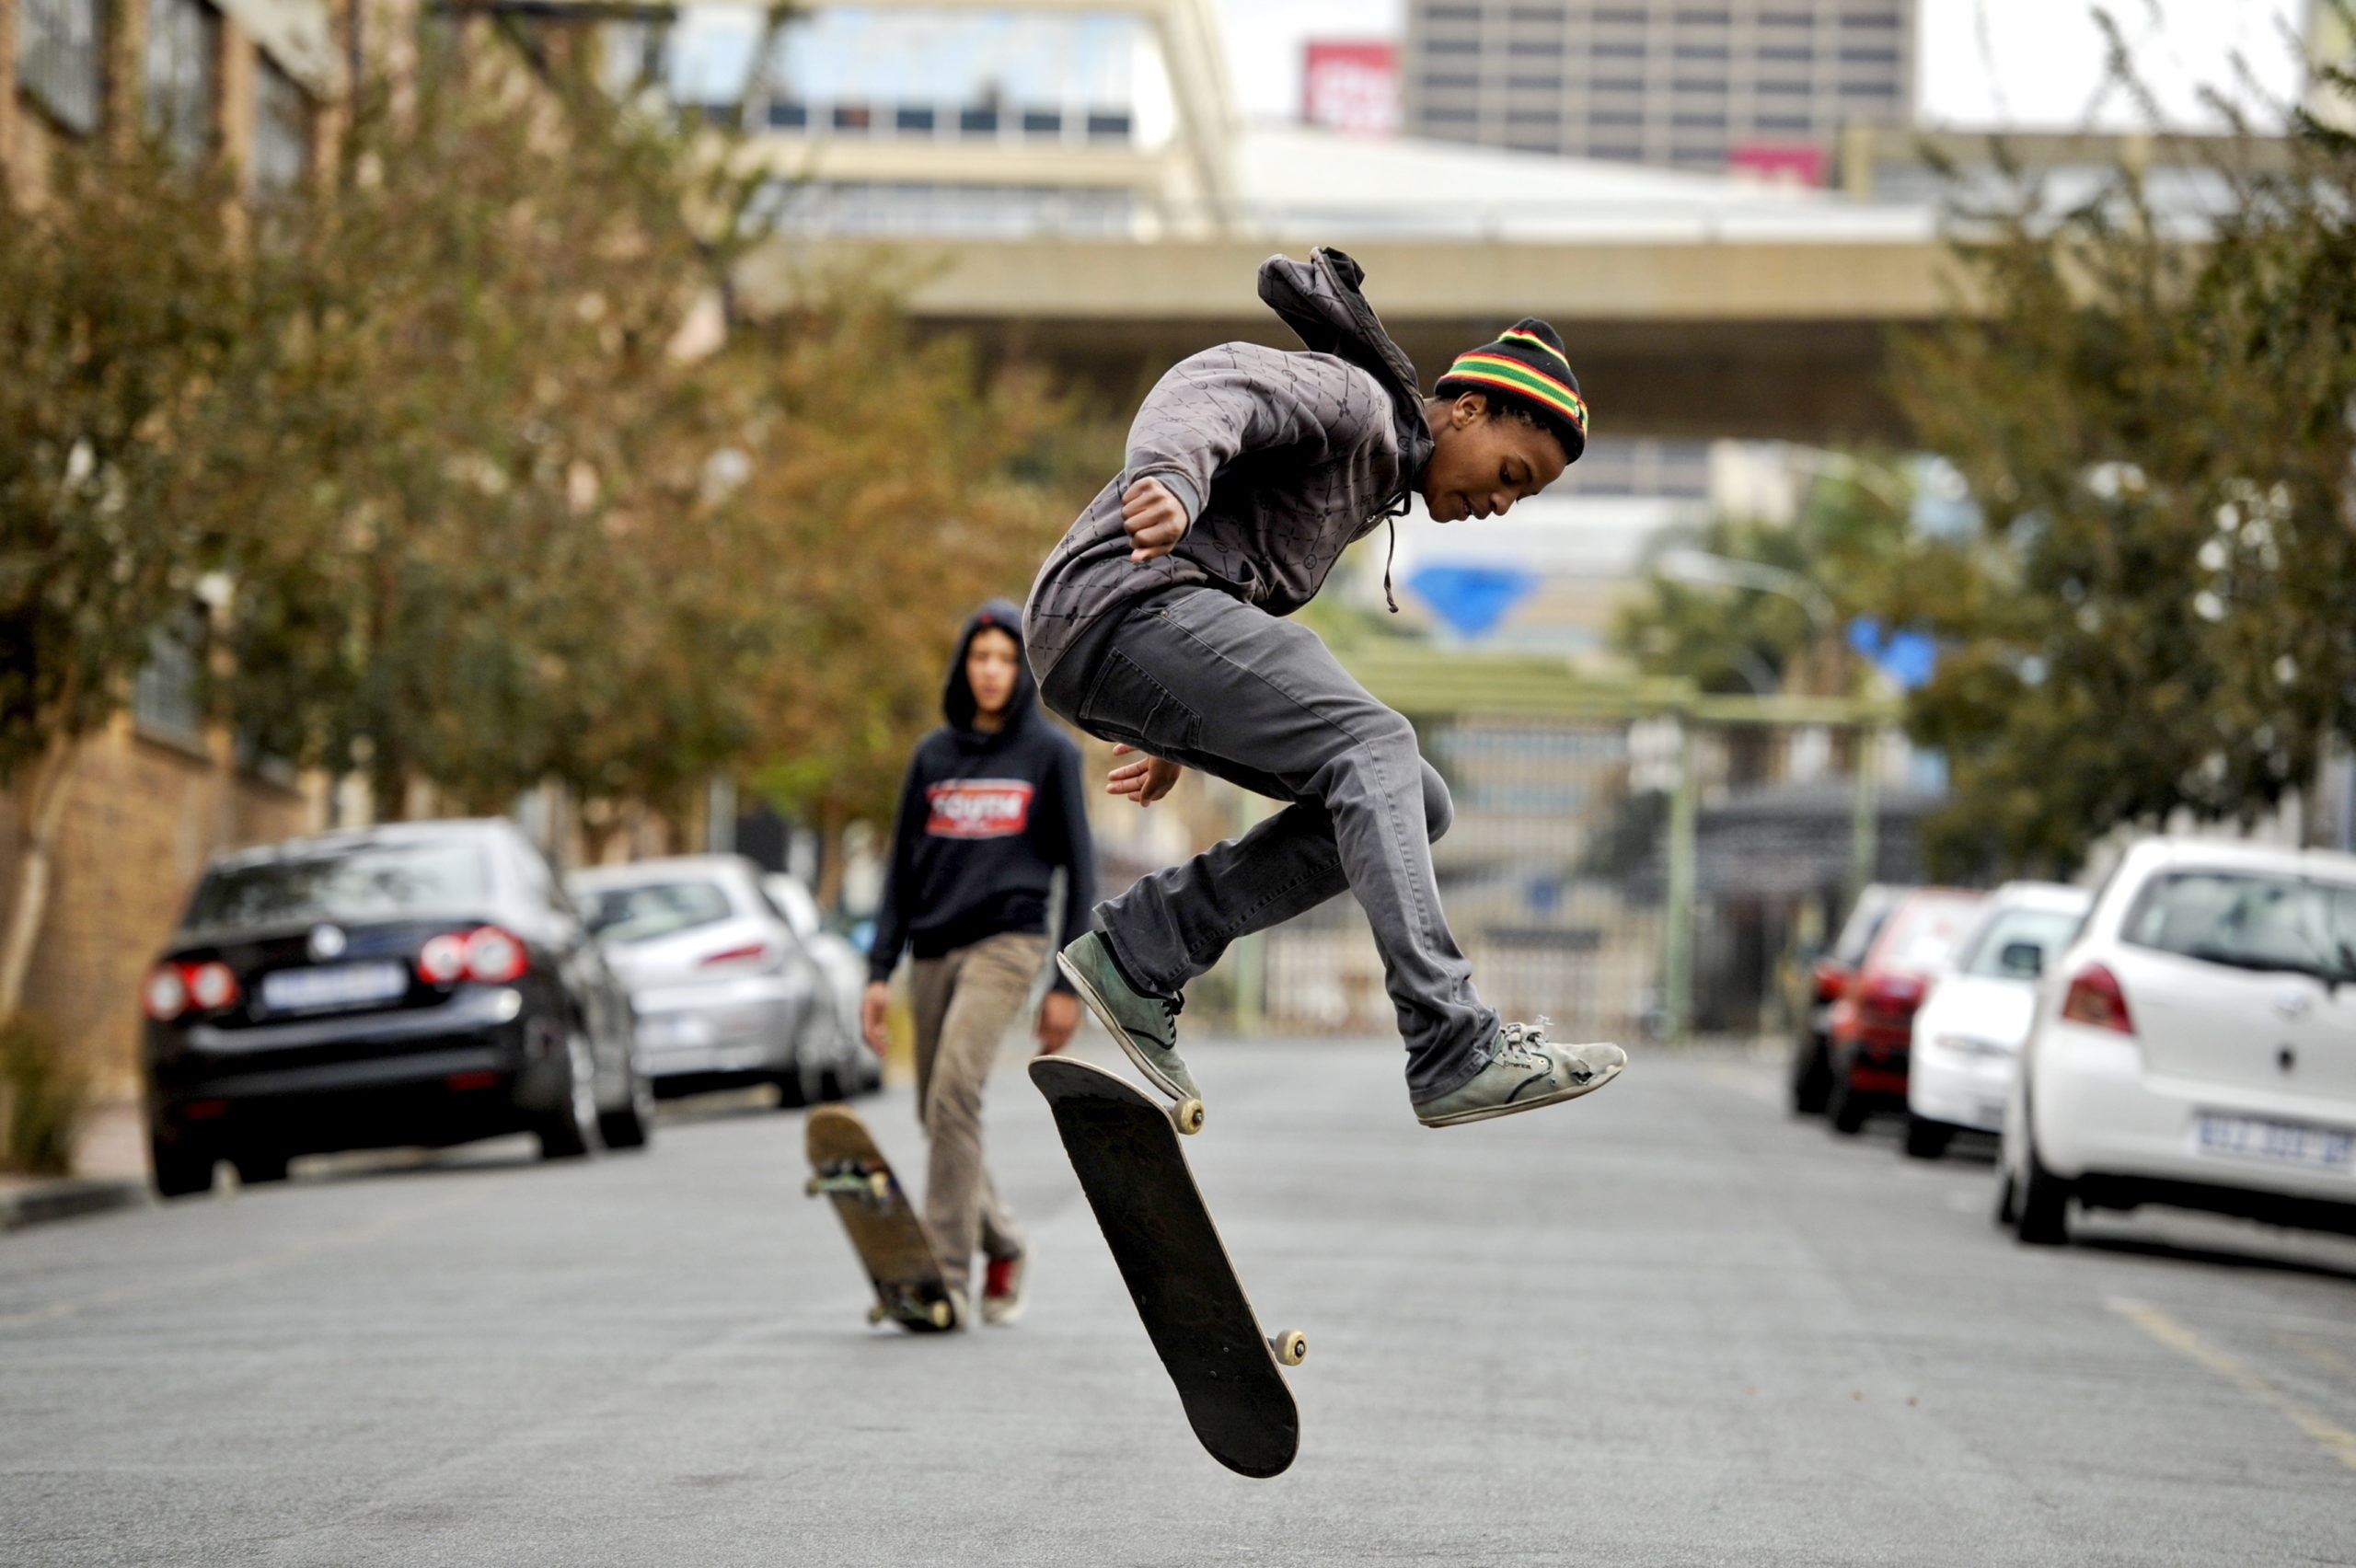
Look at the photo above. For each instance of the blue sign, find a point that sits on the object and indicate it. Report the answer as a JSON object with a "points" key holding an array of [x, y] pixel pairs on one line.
{"points": [[1908, 658], [1472, 599]]}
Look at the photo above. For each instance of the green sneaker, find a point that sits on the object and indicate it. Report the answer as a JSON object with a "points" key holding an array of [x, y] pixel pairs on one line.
{"points": [[1525, 1071], [1145, 1026]]}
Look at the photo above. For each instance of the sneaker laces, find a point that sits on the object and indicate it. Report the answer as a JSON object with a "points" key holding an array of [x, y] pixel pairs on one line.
{"points": [[1518, 1042], [1519, 1046]]}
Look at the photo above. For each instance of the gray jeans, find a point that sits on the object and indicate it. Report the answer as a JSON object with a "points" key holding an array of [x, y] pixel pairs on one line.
{"points": [[1208, 681]]}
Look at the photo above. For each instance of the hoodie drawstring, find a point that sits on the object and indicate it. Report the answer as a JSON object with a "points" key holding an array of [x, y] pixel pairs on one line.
{"points": [[1393, 510]]}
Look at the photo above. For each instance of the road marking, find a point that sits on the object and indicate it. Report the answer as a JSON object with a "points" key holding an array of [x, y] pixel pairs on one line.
{"points": [[2337, 1439], [2320, 1355]]}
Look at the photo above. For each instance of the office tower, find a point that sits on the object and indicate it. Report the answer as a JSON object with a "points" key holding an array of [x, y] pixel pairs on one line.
{"points": [[1695, 84]]}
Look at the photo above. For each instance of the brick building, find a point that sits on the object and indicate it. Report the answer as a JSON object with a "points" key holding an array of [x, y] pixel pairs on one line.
{"points": [[152, 792]]}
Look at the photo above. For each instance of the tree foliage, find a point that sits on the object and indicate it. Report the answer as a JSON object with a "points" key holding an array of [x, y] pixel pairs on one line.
{"points": [[2160, 615]]}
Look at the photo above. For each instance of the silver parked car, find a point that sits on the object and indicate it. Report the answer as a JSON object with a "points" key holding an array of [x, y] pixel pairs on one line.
{"points": [[724, 990], [844, 966]]}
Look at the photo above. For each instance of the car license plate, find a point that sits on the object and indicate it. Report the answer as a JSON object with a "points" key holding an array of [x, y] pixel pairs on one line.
{"points": [[334, 986], [2280, 1143]]}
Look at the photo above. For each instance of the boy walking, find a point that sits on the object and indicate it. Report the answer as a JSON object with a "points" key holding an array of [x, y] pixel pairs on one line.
{"points": [[1157, 624], [990, 810]]}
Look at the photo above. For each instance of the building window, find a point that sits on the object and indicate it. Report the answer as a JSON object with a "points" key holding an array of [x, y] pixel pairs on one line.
{"points": [[164, 696], [1787, 20], [1454, 46], [1782, 123], [916, 121], [1535, 84], [1440, 81], [1619, 51], [1042, 122], [1869, 20], [61, 59], [977, 121], [282, 130], [1869, 89], [1870, 56], [854, 117], [1616, 85], [1108, 125], [1785, 89], [1798, 51], [183, 43], [1533, 116], [787, 116]]}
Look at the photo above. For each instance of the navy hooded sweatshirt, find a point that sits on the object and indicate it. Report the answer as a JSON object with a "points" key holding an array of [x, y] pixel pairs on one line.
{"points": [[986, 817]]}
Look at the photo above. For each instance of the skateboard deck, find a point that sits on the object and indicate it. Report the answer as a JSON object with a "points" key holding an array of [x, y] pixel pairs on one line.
{"points": [[1125, 1150], [885, 1232]]}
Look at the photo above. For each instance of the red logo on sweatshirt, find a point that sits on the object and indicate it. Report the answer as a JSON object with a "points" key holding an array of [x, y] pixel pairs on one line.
{"points": [[978, 808]]}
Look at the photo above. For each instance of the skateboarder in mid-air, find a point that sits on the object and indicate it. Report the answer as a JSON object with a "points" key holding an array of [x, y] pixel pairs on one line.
{"points": [[1157, 624], [992, 807]]}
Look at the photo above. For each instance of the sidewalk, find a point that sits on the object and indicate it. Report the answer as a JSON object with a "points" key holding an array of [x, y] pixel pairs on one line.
{"points": [[109, 1173]]}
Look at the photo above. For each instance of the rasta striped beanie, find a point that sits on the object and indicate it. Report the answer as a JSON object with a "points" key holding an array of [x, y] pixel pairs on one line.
{"points": [[1527, 361]]}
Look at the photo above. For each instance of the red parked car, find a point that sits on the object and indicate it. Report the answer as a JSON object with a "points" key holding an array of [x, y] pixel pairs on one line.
{"points": [[1811, 1079], [1872, 1024]]}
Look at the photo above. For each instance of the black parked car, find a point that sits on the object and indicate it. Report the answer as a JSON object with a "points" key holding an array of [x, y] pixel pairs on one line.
{"points": [[421, 983]]}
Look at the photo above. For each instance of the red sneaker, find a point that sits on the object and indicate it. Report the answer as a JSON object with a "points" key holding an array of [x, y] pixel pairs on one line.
{"points": [[1003, 1290]]}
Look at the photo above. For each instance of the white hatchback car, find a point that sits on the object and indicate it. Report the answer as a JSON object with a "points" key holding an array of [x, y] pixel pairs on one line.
{"points": [[722, 985], [2196, 1045], [1969, 1031]]}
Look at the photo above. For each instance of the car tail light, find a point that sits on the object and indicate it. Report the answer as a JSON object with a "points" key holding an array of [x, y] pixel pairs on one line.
{"points": [[495, 955], [488, 953], [165, 995], [442, 959], [2095, 998], [212, 987], [751, 953], [1828, 979]]}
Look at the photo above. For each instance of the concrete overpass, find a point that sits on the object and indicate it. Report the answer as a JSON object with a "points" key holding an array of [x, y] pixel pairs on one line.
{"points": [[1694, 305], [1768, 339]]}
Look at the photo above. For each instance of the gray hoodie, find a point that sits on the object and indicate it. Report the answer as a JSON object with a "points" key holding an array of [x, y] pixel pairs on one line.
{"points": [[1280, 458]]}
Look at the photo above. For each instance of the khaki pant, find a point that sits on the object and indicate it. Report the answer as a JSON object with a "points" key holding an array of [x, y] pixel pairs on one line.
{"points": [[964, 1002]]}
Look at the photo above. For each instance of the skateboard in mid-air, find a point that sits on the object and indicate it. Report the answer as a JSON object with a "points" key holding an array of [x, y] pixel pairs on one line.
{"points": [[1125, 1148], [886, 1233]]}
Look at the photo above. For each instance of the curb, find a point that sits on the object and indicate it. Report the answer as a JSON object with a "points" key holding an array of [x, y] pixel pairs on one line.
{"points": [[68, 1199]]}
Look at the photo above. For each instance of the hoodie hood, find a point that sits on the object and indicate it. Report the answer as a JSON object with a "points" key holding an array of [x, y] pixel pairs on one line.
{"points": [[957, 703], [1323, 301]]}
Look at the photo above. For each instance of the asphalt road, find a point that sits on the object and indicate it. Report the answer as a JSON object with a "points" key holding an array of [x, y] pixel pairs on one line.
{"points": [[1664, 1325]]}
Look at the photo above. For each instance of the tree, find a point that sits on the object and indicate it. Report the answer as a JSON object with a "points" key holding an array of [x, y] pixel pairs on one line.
{"points": [[2160, 614], [125, 309]]}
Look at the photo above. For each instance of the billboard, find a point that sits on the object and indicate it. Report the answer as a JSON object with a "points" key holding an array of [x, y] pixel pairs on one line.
{"points": [[1351, 86]]}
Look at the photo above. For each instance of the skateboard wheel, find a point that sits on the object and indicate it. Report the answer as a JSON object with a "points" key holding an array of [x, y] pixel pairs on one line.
{"points": [[811, 1188], [1187, 1115], [1289, 1346], [879, 1185], [939, 1314], [876, 1313]]}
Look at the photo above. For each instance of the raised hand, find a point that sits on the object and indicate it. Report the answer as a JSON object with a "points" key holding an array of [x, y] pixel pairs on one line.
{"points": [[1154, 519]]}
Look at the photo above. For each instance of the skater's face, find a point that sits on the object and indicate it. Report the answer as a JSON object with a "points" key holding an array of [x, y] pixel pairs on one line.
{"points": [[992, 661], [1483, 461]]}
